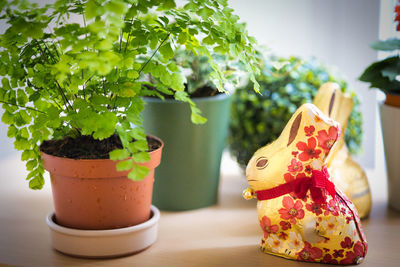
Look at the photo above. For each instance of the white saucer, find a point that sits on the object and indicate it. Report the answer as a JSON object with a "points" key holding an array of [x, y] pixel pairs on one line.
{"points": [[104, 243]]}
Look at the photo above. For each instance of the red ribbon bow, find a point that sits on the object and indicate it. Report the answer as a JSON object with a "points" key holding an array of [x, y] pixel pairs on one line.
{"points": [[318, 183]]}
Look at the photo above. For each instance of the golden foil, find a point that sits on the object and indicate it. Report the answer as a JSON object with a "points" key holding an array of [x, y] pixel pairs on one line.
{"points": [[300, 228]]}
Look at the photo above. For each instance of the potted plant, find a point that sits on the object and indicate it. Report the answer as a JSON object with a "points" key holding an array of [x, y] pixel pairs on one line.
{"points": [[72, 92], [384, 75], [286, 84], [197, 148]]}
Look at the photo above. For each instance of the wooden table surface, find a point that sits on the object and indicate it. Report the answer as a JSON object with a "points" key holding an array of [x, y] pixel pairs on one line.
{"points": [[227, 234]]}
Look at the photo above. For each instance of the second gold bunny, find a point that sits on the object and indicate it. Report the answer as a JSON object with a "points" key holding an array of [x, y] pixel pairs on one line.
{"points": [[348, 174]]}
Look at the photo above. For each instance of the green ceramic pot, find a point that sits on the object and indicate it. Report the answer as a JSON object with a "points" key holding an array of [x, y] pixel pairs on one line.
{"points": [[188, 176]]}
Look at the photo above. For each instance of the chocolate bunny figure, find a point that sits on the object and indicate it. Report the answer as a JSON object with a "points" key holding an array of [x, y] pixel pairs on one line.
{"points": [[302, 214], [347, 174]]}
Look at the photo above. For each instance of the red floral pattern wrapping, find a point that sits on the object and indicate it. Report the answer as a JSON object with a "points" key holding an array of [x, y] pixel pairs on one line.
{"points": [[298, 227]]}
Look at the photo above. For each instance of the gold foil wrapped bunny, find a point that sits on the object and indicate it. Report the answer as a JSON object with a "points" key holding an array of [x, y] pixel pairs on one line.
{"points": [[347, 174], [303, 215]]}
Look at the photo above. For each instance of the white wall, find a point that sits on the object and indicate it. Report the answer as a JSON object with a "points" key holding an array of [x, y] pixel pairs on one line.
{"points": [[338, 32]]}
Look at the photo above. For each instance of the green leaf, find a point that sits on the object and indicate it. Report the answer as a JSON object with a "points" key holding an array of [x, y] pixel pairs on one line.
{"points": [[6, 84], [12, 131], [129, 89], [387, 45], [24, 133], [31, 164], [205, 13], [28, 154], [106, 123], [104, 45], [197, 118], [209, 41], [97, 26], [166, 51], [391, 73], [138, 133], [182, 38], [138, 173], [25, 116], [90, 9], [7, 118], [141, 157], [166, 5], [140, 145], [22, 99], [182, 96], [132, 74], [36, 182], [177, 82], [117, 7], [53, 113], [124, 165], [22, 144], [119, 154], [373, 75], [33, 30]]}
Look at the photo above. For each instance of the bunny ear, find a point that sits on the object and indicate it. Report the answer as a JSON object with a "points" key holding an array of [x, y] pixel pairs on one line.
{"points": [[332, 102], [294, 129]]}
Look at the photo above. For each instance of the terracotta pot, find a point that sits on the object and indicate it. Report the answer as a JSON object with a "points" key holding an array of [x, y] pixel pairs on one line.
{"points": [[90, 194], [392, 100]]}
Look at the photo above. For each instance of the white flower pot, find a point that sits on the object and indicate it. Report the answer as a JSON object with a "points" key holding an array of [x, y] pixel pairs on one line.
{"points": [[390, 119]]}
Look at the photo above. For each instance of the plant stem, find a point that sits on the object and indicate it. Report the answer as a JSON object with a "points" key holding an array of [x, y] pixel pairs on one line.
{"points": [[127, 40], [155, 51], [53, 57], [63, 95], [42, 52], [84, 94], [33, 109], [66, 102], [120, 41], [55, 49], [147, 62], [31, 85]]}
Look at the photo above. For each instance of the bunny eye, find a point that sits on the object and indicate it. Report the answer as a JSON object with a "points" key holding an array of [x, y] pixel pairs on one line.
{"points": [[262, 162]]}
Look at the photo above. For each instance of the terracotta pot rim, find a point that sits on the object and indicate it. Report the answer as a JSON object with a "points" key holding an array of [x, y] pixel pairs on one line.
{"points": [[154, 218], [94, 168], [100, 160]]}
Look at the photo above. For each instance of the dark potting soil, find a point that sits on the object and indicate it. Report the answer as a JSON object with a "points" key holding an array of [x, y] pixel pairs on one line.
{"points": [[204, 91], [85, 147]]}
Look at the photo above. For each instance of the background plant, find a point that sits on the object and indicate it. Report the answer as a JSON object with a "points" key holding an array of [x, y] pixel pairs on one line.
{"points": [[74, 68], [198, 73], [286, 84]]}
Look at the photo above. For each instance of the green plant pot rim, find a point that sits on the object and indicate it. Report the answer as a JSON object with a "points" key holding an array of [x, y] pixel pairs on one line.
{"points": [[218, 97]]}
